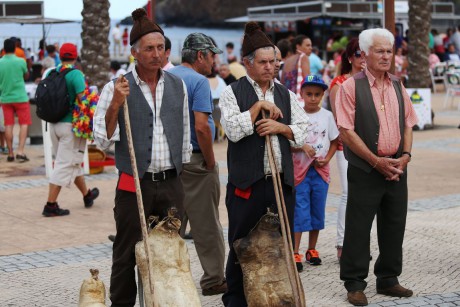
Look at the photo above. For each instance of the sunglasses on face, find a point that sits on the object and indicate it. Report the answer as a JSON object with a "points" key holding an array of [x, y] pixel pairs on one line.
{"points": [[357, 54]]}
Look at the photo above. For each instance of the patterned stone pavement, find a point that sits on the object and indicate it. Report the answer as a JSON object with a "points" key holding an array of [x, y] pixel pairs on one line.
{"points": [[432, 269]]}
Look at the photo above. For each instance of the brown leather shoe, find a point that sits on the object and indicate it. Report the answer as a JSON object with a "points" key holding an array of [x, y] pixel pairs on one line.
{"points": [[217, 289], [396, 290], [357, 298]]}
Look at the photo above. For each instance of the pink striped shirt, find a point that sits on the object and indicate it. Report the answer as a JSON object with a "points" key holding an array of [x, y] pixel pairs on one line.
{"points": [[389, 135]]}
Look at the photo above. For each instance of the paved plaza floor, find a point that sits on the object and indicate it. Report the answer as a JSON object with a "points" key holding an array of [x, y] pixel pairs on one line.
{"points": [[44, 260]]}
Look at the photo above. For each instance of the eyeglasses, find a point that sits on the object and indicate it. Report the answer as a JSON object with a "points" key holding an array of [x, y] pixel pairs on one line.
{"points": [[357, 54]]}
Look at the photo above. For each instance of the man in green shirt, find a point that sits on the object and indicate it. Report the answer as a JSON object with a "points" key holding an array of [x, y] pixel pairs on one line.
{"points": [[14, 99], [68, 149]]}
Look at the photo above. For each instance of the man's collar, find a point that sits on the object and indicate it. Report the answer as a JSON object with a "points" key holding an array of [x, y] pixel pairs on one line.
{"points": [[254, 83], [138, 80], [372, 79]]}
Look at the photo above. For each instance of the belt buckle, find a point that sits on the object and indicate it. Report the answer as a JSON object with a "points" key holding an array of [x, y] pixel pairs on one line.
{"points": [[163, 179]]}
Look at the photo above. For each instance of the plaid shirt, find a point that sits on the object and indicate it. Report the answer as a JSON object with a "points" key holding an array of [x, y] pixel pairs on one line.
{"points": [[161, 156], [238, 125]]}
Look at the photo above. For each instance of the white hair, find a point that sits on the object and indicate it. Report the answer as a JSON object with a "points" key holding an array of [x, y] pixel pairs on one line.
{"points": [[366, 38], [250, 57]]}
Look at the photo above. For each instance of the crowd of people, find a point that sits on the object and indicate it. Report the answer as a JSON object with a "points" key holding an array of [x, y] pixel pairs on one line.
{"points": [[176, 162]]}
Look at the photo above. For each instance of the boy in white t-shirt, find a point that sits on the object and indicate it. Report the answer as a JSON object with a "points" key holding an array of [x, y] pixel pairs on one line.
{"points": [[311, 169]]}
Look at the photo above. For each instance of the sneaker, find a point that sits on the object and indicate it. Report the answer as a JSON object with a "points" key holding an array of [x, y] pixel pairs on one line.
{"points": [[90, 197], [298, 262], [52, 209], [312, 257], [217, 289]]}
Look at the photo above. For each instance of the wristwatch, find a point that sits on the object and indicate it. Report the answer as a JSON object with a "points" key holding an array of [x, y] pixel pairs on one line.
{"points": [[407, 153]]}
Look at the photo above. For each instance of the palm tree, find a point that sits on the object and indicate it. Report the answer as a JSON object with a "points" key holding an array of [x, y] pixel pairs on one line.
{"points": [[95, 57], [419, 28]]}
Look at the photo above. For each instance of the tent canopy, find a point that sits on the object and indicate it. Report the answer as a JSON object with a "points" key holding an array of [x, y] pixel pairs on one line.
{"points": [[33, 20], [352, 9], [26, 12]]}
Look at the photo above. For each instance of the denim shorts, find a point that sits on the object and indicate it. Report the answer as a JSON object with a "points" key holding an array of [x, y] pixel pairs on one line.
{"points": [[310, 206]]}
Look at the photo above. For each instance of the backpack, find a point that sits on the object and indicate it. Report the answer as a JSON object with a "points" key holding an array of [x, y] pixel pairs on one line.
{"points": [[52, 98]]}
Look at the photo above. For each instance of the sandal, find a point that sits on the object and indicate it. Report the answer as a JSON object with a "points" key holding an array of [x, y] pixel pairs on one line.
{"points": [[10, 159], [22, 158]]}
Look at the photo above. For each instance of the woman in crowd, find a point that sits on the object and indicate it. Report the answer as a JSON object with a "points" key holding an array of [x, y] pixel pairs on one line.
{"points": [[297, 66], [352, 62]]}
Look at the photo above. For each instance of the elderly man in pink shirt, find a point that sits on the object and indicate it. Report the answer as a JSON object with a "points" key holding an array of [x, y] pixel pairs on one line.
{"points": [[375, 118]]}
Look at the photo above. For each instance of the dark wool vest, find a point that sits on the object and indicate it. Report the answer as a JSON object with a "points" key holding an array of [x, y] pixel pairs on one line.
{"points": [[141, 118], [245, 158], [367, 124]]}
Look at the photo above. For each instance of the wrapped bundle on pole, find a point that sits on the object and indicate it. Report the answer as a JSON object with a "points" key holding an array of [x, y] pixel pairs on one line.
{"points": [[173, 283], [271, 280], [92, 291]]}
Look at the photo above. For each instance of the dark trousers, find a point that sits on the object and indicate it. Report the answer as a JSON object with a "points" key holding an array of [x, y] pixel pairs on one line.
{"points": [[243, 215], [157, 198], [370, 195]]}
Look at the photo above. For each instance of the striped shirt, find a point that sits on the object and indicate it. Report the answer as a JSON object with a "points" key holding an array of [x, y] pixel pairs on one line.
{"points": [[238, 125], [389, 135], [161, 156]]}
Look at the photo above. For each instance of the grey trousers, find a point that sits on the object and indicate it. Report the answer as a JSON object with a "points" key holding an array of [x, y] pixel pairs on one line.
{"points": [[201, 203]]}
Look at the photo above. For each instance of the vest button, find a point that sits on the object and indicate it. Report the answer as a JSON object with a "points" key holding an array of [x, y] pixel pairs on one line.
{"points": [[151, 125], [148, 161], [150, 149], [151, 114], [150, 137]]}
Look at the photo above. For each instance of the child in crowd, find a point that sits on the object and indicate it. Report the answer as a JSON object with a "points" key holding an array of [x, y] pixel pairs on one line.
{"points": [[311, 169]]}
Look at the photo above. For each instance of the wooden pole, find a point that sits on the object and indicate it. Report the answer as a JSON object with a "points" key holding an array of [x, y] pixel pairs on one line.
{"points": [[294, 279], [389, 24], [140, 204]]}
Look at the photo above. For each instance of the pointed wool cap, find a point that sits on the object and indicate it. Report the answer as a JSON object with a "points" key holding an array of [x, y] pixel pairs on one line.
{"points": [[254, 38], [142, 25]]}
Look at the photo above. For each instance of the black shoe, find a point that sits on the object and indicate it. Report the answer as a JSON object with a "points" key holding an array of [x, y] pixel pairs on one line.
{"points": [[22, 158], [214, 290], [90, 197], [112, 238], [10, 159], [52, 209], [188, 236]]}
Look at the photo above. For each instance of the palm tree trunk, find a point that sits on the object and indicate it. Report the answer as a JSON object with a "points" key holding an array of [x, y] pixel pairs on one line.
{"points": [[418, 51], [95, 57]]}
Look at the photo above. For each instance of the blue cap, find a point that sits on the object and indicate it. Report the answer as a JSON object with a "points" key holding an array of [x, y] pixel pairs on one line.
{"points": [[314, 80]]}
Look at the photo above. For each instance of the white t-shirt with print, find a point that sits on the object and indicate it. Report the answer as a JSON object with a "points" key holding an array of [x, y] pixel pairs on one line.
{"points": [[321, 132]]}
